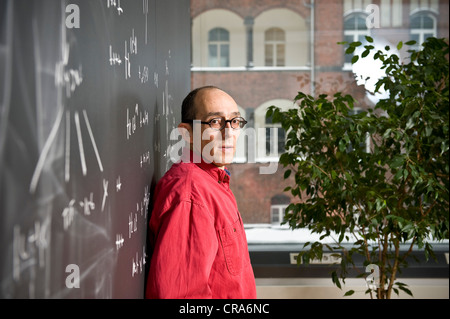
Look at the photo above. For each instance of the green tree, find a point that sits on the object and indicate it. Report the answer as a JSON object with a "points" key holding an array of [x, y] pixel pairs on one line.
{"points": [[379, 197]]}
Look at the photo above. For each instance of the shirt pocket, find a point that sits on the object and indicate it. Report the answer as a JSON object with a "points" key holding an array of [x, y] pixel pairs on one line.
{"points": [[234, 245]]}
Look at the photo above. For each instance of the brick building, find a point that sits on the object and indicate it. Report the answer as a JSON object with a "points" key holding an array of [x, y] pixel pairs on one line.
{"points": [[264, 52]]}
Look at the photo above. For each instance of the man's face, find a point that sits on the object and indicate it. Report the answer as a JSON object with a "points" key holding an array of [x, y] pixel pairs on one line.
{"points": [[218, 147]]}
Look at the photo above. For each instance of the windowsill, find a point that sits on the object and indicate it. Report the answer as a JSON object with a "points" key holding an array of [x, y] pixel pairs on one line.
{"points": [[250, 69], [259, 160]]}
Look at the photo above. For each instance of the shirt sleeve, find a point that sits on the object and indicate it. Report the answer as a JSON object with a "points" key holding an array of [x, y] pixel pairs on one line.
{"points": [[185, 248]]}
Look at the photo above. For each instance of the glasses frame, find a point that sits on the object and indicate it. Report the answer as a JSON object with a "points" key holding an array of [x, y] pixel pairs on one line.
{"points": [[223, 125]]}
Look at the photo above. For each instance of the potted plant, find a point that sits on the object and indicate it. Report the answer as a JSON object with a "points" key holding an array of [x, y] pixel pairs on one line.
{"points": [[378, 179]]}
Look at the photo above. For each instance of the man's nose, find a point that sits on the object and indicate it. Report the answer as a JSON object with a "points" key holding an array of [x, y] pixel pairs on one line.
{"points": [[228, 130]]}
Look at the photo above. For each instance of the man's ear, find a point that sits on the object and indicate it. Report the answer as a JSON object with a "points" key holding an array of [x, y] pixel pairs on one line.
{"points": [[185, 130]]}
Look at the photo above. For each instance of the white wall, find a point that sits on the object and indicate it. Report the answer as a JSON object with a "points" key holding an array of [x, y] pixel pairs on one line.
{"points": [[323, 288]]}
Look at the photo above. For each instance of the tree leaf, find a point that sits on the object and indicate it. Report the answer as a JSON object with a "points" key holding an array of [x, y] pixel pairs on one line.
{"points": [[355, 59], [349, 293]]}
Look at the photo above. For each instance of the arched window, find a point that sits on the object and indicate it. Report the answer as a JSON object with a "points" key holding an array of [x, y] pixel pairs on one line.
{"points": [[355, 29], [422, 27], [219, 48], [275, 47], [271, 142], [275, 136]]}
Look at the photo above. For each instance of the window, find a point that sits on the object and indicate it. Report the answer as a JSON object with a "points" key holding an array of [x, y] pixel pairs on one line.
{"points": [[275, 138], [422, 27], [271, 138], [275, 47], [355, 29], [279, 203], [219, 48]]}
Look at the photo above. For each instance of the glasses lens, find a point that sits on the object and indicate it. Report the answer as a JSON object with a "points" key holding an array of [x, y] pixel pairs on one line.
{"points": [[216, 123], [220, 123], [238, 122]]}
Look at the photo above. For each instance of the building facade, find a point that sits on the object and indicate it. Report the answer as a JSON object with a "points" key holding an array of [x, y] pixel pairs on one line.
{"points": [[263, 52]]}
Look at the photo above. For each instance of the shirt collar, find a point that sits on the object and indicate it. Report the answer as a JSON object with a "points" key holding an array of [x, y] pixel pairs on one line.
{"points": [[222, 176]]}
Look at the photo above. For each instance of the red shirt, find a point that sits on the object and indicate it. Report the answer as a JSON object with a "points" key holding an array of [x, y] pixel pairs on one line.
{"points": [[197, 237]]}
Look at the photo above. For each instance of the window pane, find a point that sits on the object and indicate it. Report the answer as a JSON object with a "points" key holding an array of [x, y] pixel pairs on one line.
{"points": [[224, 55], [427, 23], [214, 35], [218, 34], [349, 24], [213, 58], [269, 140], [415, 37], [270, 35], [268, 54], [361, 23], [275, 215], [281, 140], [280, 55], [415, 23], [279, 35]]}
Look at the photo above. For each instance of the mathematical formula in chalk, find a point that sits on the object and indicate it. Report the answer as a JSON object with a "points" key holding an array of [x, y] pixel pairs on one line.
{"points": [[135, 120]]}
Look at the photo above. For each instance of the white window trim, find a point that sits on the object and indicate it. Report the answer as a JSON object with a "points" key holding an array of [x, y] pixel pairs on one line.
{"points": [[422, 32], [281, 211], [260, 122]]}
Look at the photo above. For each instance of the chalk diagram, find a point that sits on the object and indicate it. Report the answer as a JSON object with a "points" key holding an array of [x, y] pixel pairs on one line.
{"points": [[66, 79], [70, 140]]}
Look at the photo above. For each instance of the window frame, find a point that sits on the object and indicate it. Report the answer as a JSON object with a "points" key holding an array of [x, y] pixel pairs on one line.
{"points": [[274, 45], [421, 32], [219, 44], [355, 34]]}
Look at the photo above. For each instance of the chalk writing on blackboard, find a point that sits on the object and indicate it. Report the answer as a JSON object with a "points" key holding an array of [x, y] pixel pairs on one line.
{"points": [[145, 158], [143, 75], [43, 157], [130, 49], [68, 214], [119, 241], [118, 184], [155, 79], [66, 77], [87, 204], [81, 145], [145, 11], [29, 250], [105, 193], [114, 57], [138, 263], [115, 4], [132, 224], [72, 93], [134, 118], [49, 142]]}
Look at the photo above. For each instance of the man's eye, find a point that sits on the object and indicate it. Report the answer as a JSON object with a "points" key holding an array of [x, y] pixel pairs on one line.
{"points": [[215, 121]]}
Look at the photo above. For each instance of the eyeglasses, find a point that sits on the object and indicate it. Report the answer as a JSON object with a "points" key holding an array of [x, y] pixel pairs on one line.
{"points": [[219, 123]]}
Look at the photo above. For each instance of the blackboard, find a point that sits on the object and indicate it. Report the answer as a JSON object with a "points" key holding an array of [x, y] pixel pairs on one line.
{"points": [[90, 91]]}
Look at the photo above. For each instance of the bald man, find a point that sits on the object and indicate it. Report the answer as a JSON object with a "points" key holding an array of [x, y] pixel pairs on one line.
{"points": [[198, 243]]}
